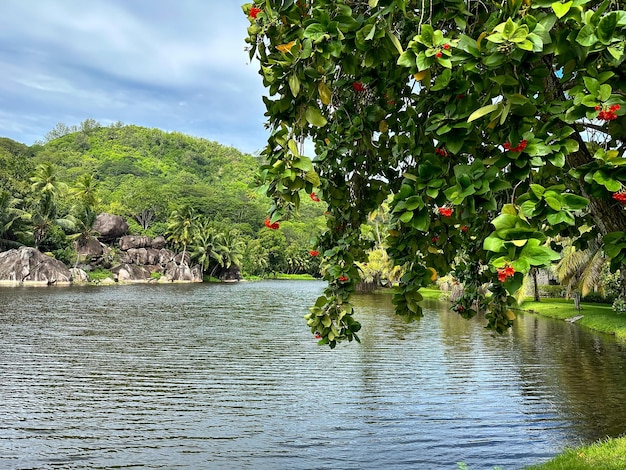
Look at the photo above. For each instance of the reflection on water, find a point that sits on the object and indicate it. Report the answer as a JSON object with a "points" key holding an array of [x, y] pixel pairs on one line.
{"points": [[227, 376]]}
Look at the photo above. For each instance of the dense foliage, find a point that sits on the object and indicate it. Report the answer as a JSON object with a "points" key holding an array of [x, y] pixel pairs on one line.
{"points": [[196, 192], [497, 128]]}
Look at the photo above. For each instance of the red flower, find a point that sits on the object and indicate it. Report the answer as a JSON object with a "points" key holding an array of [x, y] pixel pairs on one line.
{"points": [[318, 336], [343, 279], [314, 253], [446, 211], [273, 226], [358, 87], [519, 148], [607, 115], [621, 197], [505, 273], [254, 11], [446, 46], [464, 229], [314, 197], [434, 239], [438, 54], [442, 152]]}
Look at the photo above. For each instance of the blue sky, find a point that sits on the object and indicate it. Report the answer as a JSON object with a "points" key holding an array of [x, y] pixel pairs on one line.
{"points": [[177, 65]]}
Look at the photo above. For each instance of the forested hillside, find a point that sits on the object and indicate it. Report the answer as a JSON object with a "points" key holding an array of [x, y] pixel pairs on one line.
{"points": [[161, 182]]}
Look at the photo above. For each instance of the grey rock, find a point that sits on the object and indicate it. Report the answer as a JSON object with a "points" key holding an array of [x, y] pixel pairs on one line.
{"points": [[159, 242], [110, 226], [28, 265], [129, 242]]}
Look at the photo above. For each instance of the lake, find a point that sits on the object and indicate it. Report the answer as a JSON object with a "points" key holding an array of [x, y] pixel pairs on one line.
{"points": [[193, 376]]}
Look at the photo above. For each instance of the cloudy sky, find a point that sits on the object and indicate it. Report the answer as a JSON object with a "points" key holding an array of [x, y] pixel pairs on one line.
{"points": [[177, 65]]}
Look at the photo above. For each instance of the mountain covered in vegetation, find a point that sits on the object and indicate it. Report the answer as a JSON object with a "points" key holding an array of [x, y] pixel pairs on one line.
{"points": [[197, 193]]}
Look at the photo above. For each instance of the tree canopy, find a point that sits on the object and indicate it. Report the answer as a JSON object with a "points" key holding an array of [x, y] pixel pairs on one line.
{"points": [[493, 127]]}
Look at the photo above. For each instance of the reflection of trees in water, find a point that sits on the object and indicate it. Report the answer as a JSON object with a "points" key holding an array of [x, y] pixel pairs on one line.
{"points": [[586, 370], [561, 372]]}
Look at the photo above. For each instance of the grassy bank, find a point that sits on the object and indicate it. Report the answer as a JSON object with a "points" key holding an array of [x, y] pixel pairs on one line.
{"points": [[608, 454], [599, 317]]}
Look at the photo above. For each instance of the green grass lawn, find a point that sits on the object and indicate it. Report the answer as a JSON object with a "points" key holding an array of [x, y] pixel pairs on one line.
{"points": [[599, 317], [608, 454]]}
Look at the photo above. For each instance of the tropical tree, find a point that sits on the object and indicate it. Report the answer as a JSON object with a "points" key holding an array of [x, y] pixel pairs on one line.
{"points": [[205, 245], [181, 226], [10, 217], [231, 248], [493, 126], [582, 269], [46, 190]]}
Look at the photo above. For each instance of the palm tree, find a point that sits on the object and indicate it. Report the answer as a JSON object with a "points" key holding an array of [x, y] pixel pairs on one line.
{"points": [[84, 190], [10, 215], [205, 246], [232, 248], [48, 189], [581, 269], [181, 226]]}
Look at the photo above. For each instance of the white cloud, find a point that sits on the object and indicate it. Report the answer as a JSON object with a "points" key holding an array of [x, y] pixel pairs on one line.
{"points": [[130, 60]]}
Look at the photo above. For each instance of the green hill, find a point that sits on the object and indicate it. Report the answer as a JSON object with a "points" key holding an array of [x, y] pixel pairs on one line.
{"points": [[144, 175]]}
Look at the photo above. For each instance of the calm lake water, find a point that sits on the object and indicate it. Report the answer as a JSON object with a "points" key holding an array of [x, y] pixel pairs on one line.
{"points": [[228, 376]]}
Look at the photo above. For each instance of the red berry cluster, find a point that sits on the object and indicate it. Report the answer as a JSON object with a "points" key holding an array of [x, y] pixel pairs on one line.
{"points": [[314, 253], [442, 152], [273, 226], [343, 279], [314, 197], [358, 87], [608, 114], [254, 11], [446, 211], [519, 148], [505, 273], [621, 197]]}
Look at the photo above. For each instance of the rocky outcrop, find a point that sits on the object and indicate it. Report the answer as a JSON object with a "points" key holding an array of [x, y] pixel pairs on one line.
{"points": [[146, 260], [110, 227], [27, 265], [78, 276]]}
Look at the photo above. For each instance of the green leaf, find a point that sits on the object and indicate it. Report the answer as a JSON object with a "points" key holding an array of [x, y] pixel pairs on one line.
{"points": [[294, 84], [606, 181], [313, 178], [480, 112], [538, 255], [395, 41], [504, 221], [606, 28], [406, 217], [314, 117], [561, 9], [315, 32], [574, 201], [586, 36], [494, 244], [537, 190], [406, 59], [303, 163]]}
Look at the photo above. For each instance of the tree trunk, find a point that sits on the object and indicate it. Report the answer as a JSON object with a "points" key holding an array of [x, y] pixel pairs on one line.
{"points": [[608, 215], [535, 284]]}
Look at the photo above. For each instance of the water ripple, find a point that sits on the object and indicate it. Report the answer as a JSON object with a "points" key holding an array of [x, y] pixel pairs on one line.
{"points": [[226, 376]]}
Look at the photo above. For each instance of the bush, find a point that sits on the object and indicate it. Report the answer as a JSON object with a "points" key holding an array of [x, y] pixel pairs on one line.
{"points": [[549, 291], [99, 274], [619, 305], [597, 298]]}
